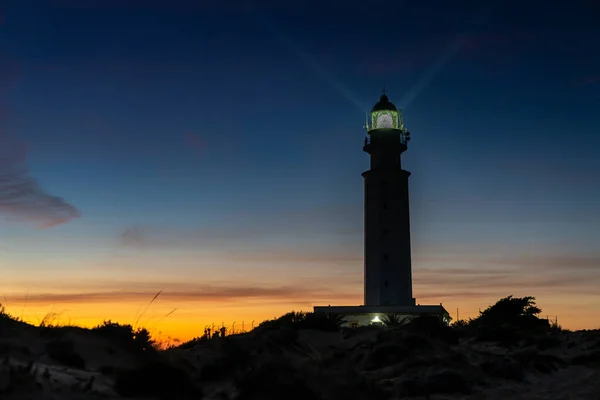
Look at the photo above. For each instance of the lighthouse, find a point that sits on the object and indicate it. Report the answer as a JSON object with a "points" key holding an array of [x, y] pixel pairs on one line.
{"points": [[387, 257], [387, 249]]}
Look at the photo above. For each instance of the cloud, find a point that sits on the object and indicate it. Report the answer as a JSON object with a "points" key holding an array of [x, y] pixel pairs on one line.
{"points": [[337, 219], [485, 276], [185, 292], [148, 237], [493, 264], [133, 236], [21, 196], [301, 255]]}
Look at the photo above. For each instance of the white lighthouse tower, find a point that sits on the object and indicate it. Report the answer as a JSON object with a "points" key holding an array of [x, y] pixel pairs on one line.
{"points": [[387, 254]]}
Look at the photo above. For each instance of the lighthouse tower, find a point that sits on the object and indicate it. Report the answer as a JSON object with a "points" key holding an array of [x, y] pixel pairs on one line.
{"points": [[387, 263]]}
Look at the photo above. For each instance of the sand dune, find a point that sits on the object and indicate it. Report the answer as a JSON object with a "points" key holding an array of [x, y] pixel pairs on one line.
{"points": [[280, 362]]}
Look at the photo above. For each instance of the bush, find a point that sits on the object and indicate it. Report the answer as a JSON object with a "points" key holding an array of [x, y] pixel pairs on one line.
{"points": [[193, 342], [509, 321], [432, 327], [136, 341], [518, 312], [9, 325], [504, 335], [306, 320], [157, 380], [394, 320]]}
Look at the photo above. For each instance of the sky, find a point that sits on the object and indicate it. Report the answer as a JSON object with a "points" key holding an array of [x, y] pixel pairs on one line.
{"points": [[212, 150]]}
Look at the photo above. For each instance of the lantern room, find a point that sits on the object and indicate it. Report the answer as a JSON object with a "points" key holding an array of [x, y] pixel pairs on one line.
{"points": [[385, 115]]}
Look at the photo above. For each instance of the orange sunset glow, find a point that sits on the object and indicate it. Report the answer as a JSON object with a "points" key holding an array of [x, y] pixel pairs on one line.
{"points": [[246, 294]]}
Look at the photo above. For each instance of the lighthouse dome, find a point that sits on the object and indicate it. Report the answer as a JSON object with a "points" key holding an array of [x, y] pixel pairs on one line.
{"points": [[384, 104]]}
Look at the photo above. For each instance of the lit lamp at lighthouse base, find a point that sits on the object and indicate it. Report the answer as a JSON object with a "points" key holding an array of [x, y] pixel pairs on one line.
{"points": [[355, 316]]}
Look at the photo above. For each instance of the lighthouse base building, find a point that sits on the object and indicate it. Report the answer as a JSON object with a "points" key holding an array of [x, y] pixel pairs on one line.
{"points": [[387, 253]]}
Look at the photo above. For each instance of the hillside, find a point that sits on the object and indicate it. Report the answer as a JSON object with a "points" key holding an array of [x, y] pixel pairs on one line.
{"points": [[522, 357]]}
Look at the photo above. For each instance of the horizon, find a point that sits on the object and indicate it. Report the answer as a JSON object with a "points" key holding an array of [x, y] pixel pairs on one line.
{"points": [[215, 153]]}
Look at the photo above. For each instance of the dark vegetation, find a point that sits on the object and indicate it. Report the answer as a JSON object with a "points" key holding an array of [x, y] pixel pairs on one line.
{"points": [[305, 320], [137, 341], [312, 356]]}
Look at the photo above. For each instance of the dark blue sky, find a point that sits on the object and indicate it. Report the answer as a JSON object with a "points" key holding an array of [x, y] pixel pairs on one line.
{"points": [[205, 123]]}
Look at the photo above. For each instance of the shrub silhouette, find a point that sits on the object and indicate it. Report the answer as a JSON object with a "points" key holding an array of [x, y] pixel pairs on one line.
{"points": [[306, 320], [509, 321], [136, 341], [515, 311], [8, 323], [193, 342], [394, 320], [461, 323], [433, 327]]}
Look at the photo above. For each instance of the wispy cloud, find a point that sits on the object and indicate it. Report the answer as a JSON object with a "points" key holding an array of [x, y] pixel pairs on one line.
{"points": [[301, 255], [492, 276], [490, 264], [148, 237], [21, 196], [190, 293], [338, 219]]}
